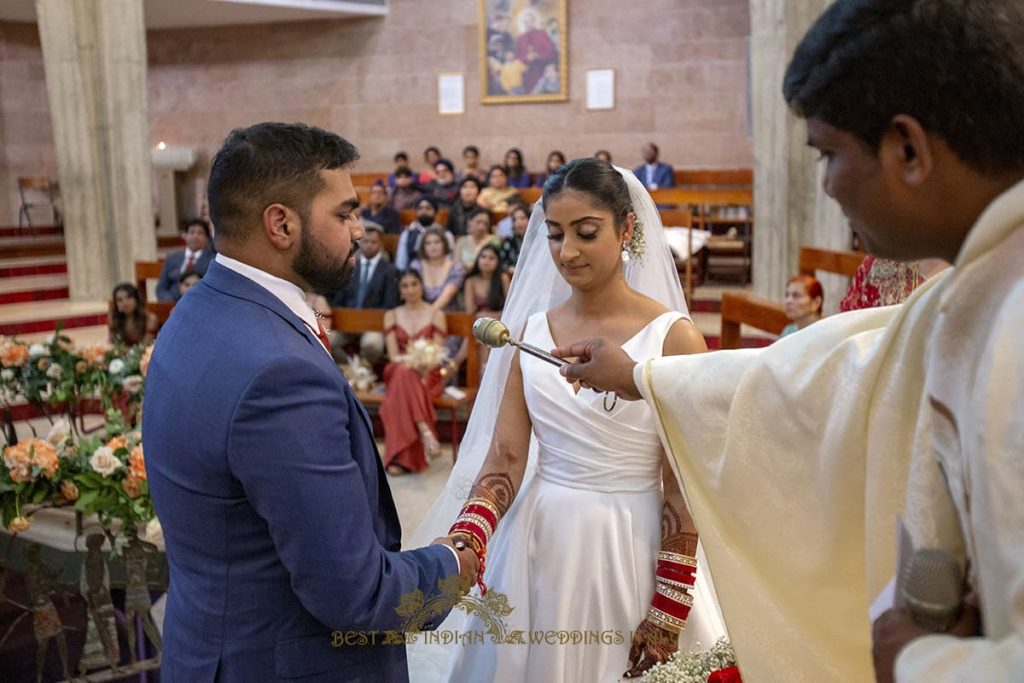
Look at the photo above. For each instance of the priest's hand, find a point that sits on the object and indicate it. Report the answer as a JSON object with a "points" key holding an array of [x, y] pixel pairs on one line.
{"points": [[896, 628], [651, 645], [600, 366]]}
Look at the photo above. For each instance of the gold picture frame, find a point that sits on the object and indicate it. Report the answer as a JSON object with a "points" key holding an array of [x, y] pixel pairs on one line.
{"points": [[524, 51]]}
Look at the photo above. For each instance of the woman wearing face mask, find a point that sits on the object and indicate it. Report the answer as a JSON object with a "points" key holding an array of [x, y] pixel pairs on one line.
{"points": [[407, 412]]}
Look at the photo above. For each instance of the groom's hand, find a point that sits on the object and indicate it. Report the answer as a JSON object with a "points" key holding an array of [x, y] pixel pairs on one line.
{"points": [[599, 366], [469, 563]]}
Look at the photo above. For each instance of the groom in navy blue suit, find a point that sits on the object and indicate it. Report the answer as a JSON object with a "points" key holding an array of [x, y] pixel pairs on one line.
{"points": [[279, 523]]}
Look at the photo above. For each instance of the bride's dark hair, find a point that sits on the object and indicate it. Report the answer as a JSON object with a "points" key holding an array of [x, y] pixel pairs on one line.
{"points": [[593, 177]]}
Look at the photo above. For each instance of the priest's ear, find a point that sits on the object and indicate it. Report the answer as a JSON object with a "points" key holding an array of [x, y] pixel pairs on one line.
{"points": [[907, 151]]}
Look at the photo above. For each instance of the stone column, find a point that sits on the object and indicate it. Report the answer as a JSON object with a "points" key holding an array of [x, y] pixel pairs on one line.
{"points": [[94, 53], [792, 208]]}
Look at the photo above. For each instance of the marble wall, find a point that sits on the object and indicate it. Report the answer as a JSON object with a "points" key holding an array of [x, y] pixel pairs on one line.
{"points": [[681, 70]]}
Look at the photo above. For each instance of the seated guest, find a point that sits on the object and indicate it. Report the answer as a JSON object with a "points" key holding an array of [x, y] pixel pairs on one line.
{"points": [[442, 275], [654, 174], [486, 285], [464, 206], [555, 159], [505, 227], [515, 169], [468, 246], [484, 294], [496, 196], [374, 284], [409, 241], [883, 282], [400, 159], [603, 155], [404, 195], [378, 211], [407, 412], [431, 155], [442, 188], [804, 299], [471, 164], [196, 255], [129, 322], [513, 244], [188, 280]]}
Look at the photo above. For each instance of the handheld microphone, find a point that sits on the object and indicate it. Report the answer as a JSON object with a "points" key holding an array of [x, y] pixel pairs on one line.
{"points": [[932, 588], [495, 334]]}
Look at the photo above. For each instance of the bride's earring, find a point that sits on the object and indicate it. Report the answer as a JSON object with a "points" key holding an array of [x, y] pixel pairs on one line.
{"points": [[625, 253]]}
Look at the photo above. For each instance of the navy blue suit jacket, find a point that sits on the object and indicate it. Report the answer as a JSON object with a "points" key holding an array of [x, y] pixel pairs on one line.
{"points": [[170, 275], [664, 176], [277, 516]]}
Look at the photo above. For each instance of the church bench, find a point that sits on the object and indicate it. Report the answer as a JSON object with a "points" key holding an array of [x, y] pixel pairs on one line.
{"points": [[740, 308], [358, 320]]}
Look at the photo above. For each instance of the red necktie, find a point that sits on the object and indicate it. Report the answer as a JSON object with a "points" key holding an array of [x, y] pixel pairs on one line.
{"points": [[321, 334], [191, 261]]}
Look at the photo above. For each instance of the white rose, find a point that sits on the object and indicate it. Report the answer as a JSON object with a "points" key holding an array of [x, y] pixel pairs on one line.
{"points": [[132, 384], [116, 366], [7, 374], [54, 371], [59, 432], [104, 461], [154, 532], [37, 350]]}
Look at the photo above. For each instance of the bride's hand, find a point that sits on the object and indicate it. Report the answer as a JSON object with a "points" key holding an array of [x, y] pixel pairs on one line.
{"points": [[651, 645]]}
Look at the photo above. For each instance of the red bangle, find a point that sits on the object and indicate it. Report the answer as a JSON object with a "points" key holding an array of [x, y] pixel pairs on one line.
{"points": [[484, 511], [670, 607]]}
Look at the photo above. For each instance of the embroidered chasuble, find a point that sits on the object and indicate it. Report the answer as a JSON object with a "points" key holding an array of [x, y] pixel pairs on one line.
{"points": [[798, 459]]}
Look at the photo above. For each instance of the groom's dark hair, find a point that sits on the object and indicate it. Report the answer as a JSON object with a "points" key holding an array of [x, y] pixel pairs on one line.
{"points": [[596, 178], [270, 163], [957, 66]]}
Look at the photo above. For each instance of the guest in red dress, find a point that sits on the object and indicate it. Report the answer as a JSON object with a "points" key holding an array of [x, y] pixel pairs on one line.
{"points": [[408, 411]]}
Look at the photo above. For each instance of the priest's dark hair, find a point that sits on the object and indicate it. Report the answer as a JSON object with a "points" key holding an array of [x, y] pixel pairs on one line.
{"points": [[269, 163], [955, 66]]}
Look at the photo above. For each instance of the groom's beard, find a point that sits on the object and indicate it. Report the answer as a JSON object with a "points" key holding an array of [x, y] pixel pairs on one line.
{"points": [[324, 274]]}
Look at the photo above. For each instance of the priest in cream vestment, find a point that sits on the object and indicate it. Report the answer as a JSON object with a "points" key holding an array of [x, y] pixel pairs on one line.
{"points": [[799, 460]]}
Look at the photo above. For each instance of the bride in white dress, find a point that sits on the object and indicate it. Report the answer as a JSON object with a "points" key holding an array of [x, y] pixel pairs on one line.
{"points": [[579, 481]]}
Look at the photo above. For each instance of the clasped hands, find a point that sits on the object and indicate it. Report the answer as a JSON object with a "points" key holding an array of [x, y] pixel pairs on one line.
{"points": [[469, 563]]}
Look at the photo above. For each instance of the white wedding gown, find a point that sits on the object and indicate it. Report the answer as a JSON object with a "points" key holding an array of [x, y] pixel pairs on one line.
{"points": [[577, 550]]}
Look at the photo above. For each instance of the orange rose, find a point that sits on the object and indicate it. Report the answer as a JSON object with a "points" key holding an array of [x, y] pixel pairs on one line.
{"points": [[117, 442], [43, 363], [93, 354], [80, 367], [69, 490], [136, 463], [21, 457], [132, 486], [19, 524], [13, 355]]}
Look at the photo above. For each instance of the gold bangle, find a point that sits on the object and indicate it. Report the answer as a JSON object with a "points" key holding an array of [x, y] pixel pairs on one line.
{"points": [[666, 621], [675, 584], [674, 595], [676, 557], [484, 503]]}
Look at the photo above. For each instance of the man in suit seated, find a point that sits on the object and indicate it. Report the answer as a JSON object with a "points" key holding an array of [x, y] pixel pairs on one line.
{"points": [[195, 257], [652, 173], [374, 285], [282, 537]]}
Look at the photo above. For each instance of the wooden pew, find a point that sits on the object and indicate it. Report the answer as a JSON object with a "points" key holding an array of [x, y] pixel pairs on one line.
{"points": [[740, 308], [144, 271], [368, 179], [714, 176], [357, 320]]}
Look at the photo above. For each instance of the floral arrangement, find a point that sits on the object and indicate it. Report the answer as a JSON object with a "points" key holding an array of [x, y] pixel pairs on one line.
{"points": [[359, 374], [424, 355], [717, 665], [102, 472]]}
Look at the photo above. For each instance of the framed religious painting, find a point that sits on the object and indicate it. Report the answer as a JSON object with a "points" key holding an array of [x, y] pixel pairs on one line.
{"points": [[523, 51]]}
